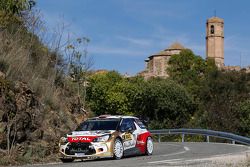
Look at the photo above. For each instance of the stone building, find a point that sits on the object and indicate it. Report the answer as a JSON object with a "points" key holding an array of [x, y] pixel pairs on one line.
{"points": [[156, 64], [215, 40], [215, 43]]}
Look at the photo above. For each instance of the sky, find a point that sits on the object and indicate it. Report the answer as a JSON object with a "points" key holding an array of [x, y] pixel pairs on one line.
{"points": [[123, 33]]}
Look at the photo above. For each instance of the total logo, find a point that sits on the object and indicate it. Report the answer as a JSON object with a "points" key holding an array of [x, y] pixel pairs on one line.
{"points": [[80, 138]]}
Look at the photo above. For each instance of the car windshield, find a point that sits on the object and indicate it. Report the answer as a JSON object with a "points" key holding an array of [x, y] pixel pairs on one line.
{"points": [[105, 124]]}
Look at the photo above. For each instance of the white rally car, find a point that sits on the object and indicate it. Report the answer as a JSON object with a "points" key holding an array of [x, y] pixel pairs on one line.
{"points": [[106, 136]]}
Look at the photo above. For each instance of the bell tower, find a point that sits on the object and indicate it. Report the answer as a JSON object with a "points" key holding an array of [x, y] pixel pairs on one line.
{"points": [[215, 40]]}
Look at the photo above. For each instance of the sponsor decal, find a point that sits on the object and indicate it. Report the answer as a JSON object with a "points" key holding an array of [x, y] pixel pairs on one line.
{"points": [[80, 138], [127, 136], [128, 140], [129, 144], [74, 139]]}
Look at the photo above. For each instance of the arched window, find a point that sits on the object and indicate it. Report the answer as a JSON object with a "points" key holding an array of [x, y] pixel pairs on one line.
{"points": [[212, 29]]}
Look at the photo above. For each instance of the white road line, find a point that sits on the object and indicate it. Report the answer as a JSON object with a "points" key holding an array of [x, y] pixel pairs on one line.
{"points": [[164, 161], [186, 148], [177, 153], [178, 161], [171, 160]]}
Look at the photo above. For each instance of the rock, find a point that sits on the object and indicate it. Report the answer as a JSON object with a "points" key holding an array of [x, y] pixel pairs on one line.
{"points": [[2, 133], [1, 113], [2, 75], [2, 127], [36, 135]]}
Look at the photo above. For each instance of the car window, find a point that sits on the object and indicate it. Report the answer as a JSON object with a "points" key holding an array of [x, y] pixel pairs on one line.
{"points": [[140, 124], [107, 124], [127, 124]]}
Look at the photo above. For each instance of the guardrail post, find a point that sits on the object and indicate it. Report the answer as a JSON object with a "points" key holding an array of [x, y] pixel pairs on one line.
{"points": [[183, 138], [159, 138], [208, 139]]}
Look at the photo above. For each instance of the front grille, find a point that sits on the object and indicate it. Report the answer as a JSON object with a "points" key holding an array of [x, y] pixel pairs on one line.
{"points": [[85, 148]]}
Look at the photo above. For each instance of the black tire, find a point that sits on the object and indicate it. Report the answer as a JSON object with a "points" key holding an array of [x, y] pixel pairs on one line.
{"points": [[149, 146], [118, 149], [66, 160]]}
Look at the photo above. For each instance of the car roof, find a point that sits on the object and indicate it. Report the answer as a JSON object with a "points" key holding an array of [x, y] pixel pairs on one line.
{"points": [[113, 117]]}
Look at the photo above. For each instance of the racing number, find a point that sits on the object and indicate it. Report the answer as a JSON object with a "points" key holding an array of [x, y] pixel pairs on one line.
{"points": [[127, 136]]}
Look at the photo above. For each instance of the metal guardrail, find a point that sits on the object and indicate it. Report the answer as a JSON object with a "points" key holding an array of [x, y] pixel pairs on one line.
{"points": [[224, 135]]}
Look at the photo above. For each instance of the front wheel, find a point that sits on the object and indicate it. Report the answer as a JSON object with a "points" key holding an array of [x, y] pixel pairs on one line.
{"points": [[118, 149], [149, 146]]}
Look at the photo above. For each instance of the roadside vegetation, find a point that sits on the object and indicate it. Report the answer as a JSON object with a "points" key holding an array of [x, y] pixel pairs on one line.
{"points": [[196, 95], [40, 95], [46, 89]]}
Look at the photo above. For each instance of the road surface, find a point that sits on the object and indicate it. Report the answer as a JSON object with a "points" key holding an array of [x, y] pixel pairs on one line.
{"points": [[170, 154]]}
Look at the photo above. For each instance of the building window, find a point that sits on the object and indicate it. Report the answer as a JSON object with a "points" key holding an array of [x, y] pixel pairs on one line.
{"points": [[212, 29]]}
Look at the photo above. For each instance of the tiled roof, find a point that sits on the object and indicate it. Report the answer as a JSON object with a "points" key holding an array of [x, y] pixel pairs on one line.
{"points": [[167, 52], [215, 20], [176, 46]]}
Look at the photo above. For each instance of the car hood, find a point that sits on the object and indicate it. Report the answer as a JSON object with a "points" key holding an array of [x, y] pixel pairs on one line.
{"points": [[86, 136], [92, 133]]}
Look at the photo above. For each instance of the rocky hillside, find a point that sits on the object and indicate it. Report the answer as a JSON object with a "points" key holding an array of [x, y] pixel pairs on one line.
{"points": [[30, 130], [39, 100]]}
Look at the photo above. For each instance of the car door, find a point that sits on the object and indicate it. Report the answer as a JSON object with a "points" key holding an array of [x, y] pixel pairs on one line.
{"points": [[129, 133]]}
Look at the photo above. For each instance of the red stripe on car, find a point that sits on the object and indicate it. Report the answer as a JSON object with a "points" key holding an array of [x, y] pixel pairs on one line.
{"points": [[141, 141]]}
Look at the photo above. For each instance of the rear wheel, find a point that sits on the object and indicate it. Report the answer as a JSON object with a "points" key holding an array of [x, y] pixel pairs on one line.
{"points": [[149, 146], [118, 149], [66, 160]]}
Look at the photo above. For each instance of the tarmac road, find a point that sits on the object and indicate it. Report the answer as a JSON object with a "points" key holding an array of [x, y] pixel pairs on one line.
{"points": [[166, 154]]}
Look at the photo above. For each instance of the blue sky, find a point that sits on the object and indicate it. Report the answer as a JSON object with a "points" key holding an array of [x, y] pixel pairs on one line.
{"points": [[125, 32]]}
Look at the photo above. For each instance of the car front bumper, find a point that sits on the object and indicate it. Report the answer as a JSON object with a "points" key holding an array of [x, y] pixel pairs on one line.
{"points": [[86, 150]]}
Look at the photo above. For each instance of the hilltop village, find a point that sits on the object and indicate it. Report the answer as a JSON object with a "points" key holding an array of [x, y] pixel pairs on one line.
{"points": [[157, 64]]}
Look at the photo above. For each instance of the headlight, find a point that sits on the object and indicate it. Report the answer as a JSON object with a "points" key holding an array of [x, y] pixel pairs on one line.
{"points": [[102, 138], [63, 141]]}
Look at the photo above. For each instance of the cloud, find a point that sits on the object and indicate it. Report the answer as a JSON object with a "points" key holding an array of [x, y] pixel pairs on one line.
{"points": [[136, 41]]}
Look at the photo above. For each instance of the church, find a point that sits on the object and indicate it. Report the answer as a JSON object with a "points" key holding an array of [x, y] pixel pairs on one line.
{"points": [[157, 64]]}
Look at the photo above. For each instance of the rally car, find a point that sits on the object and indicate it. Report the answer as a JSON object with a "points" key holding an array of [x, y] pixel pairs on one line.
{"points": [[106, 136]]}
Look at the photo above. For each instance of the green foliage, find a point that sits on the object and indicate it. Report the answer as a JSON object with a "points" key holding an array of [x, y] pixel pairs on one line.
{"points": [[104, 94], [217, 93], [220, 96], [159, 100], [9, 21], [244, 117], [13, 13], [16, 7], [168, 102], [190, 70], [186, 67]]}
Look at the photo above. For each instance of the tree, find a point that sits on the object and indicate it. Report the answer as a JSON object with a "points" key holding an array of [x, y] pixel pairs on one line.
{"points": [[104, 94], [243, 112], [78, 66], [220, 95], [187, 69], [160, 100], [168, 103]]}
